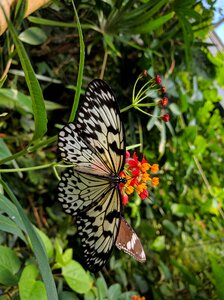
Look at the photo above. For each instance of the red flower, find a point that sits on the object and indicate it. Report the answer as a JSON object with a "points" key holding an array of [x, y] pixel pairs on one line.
{"points": [[135, 172], [124, 199], [127, 154], [165, 118], [133, 163], [144, 194]]}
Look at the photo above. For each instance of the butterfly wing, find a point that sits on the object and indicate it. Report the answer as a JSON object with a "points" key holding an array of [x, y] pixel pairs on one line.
{"points": [[96, 142], [96, 203], [98, 228], [128, 241]]}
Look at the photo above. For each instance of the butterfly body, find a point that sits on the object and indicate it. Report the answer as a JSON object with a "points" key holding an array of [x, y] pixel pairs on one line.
{"points": [[95, 145]]}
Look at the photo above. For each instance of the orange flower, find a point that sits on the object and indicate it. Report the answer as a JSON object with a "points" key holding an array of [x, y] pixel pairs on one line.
{"points": [[141, 187], [155, 181], [145, 167], [154, 168], [145, 177], [129, 189]]}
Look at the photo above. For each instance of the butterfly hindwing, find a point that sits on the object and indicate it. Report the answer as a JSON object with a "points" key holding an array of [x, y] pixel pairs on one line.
{"points": [[79, 192], [98, 228], [128, 241]]}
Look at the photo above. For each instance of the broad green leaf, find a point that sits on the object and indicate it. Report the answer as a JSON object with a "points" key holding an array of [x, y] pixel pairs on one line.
{"points": [[158, 244], [29, 287], [13, 99], [114, 292], [181, 210], [76, 277], [200, 144], [101, 288], [47, 243], [64, 295], [9, 266], [33, 36], [171, 227], [218, 275], [190, 133]]}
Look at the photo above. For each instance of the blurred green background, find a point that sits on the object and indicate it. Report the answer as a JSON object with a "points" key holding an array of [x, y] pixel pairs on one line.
{"points": [[181, 225]]}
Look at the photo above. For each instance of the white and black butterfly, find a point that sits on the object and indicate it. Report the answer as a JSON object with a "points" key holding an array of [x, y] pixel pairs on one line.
{"points": [[95, 144]]}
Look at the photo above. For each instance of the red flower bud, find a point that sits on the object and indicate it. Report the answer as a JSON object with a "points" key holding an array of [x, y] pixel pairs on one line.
{"points": [[164, 101], [158, 79], [144, 194], [165, 118], [124, 199], [163, 89], [145, 73]]}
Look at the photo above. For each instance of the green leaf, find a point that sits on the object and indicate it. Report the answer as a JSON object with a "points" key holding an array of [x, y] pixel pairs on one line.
{"points": [[37, 246], [158, 244], [9, 226], [9, 266], [29, 287], [76, 277], [218, 275], [13, 99], [101, 288], [114, 292], [40, 115], [171, 227], [10, 209], [150, 26], [33, 36], [200, 144], [181, 210], [187, 275], [46, 242]]}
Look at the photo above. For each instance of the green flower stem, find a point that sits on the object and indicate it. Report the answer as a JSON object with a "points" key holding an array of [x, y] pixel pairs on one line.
{"points": [[134, 88], [34, 168], [146, 104], [127, 108], [46, 142], [144, 112]]}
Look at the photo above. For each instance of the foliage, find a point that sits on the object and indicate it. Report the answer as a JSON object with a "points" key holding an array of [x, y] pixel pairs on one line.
{"points": [[181, 224]]}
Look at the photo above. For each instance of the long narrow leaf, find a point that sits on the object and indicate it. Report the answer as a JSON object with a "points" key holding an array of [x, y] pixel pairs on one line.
{"points": [[40, 115], [81, 68], [37, 246], [152, 25]]}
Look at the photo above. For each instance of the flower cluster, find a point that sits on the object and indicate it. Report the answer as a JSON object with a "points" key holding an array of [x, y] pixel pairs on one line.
{"points": [[135, 297], [138, 175], [149, 88]]}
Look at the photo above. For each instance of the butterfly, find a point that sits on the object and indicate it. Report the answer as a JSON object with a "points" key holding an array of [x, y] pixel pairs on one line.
{"points": [[89, 191]]}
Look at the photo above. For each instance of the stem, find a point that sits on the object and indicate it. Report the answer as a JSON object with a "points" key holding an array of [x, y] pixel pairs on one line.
{"points": [[27, 169], [104, 64], [127, 108]]}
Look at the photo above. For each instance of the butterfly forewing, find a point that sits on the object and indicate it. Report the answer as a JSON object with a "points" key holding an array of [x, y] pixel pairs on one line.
{"points": [[95, 143], [128, 241]]}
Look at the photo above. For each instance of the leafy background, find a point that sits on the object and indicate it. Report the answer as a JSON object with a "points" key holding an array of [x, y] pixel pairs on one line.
{"points": [[181, 225]]}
